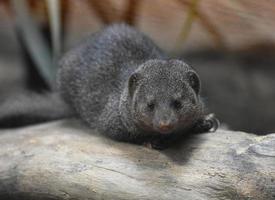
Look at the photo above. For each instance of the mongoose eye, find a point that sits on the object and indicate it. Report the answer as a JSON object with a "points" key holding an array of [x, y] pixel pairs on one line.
{"points": [[151, 106], [194, 81], [176, 104]]}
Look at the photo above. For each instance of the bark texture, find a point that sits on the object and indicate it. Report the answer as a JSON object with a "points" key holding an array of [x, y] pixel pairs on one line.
{"points": [[64, 160]]}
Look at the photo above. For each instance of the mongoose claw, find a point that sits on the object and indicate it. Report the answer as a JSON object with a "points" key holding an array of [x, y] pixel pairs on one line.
{"points": [[208, 123], [147, 145], [215, 123]]}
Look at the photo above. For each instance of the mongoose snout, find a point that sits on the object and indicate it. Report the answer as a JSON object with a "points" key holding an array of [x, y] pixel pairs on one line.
{"points": [[165, 127]]}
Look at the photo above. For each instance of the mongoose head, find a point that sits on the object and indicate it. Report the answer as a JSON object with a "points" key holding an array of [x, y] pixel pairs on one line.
{"points": [[165, 96]]}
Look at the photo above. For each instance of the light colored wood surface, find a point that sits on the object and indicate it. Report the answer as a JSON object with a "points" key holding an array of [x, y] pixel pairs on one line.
{"points": [[63, 160]]}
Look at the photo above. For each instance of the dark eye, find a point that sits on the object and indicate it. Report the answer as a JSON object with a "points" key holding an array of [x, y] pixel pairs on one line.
{"points": [[151, 106], [176, 104]]}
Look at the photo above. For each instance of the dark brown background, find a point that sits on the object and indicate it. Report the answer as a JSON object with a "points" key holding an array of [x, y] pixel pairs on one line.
{"points": [[230, 43]]}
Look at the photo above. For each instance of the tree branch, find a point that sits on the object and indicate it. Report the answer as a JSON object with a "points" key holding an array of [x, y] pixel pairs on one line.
{"points": [[64, 160]]}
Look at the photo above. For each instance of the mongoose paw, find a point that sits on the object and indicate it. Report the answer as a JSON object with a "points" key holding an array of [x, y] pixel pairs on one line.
{"points": [[213, 122], [147, 144], [209, 124]]}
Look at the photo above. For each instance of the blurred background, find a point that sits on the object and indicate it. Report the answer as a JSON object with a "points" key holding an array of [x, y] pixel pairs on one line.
{"points": [[229, 42]]}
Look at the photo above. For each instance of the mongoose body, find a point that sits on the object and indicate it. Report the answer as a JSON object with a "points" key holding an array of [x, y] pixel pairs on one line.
{"points": [[119, 82]]}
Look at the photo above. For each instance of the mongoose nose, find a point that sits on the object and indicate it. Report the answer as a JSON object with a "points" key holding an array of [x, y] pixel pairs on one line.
{"points": [[165, 125]]}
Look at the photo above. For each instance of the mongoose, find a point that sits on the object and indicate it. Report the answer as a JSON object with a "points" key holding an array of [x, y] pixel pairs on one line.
{"points": [[120, 83]]}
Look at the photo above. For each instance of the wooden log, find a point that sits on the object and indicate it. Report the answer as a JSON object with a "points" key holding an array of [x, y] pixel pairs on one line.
{"points": [[64, 160]]}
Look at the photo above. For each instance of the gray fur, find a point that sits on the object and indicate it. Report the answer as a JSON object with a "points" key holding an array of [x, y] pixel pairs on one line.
{"points": [[26, 108], [109, 79]]}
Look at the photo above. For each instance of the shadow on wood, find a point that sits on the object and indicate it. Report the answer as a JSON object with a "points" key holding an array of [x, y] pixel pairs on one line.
{"points": [[65, 160]]}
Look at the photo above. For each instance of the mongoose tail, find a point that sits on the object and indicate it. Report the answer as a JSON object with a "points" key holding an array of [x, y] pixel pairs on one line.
{"points": [[31, 108]]}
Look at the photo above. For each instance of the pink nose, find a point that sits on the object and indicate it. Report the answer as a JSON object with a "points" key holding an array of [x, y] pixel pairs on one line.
{"points": [[165, 125]]}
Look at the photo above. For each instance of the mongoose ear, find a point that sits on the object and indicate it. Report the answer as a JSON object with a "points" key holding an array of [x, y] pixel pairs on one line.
{"points": [[132, 83], [194, 81]]}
